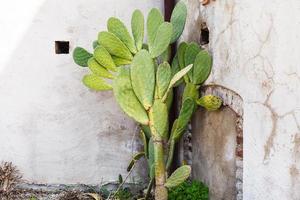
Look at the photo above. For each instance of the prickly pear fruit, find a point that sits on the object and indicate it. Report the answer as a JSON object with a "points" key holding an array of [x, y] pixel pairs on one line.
{"points": [[210, 102]]}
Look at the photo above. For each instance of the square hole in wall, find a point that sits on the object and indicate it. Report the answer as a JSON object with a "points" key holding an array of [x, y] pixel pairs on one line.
{"points": [[204, 39], [62, 47]]}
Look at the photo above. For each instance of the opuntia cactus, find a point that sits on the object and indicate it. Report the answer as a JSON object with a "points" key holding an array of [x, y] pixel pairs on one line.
{"points": [[143, 82]]}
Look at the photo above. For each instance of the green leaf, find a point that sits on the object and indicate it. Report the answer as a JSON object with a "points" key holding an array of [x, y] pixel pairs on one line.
{"points": [[114, 45], [104, 58], [163, 77], [81, 56], [178, 176], [161, 40], [184, 117], [143, 78], [135, 158], [178, 19], [190, 55], [202, 67], [96, 83], [95, 44], [159, 117], [115, 26], [176, 78], [137, 27], [120, 61], [210, 102], [154, 20], [126, 97], [99, 70]]}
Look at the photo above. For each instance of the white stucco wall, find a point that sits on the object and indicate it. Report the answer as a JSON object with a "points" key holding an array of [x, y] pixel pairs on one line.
{"points": [[255, 47], [51, 126]]}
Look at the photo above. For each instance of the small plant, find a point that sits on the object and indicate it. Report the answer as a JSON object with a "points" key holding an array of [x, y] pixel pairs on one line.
{"points": [[189, 190], [9, 178], [143, 80]]}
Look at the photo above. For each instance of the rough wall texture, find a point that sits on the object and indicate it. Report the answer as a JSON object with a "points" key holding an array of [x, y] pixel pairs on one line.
{"points": [[51, 126], [255, 47], [214, 141]]}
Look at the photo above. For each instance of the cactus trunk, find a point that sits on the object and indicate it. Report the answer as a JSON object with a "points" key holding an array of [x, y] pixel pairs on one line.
{"points": [[161, 192]]}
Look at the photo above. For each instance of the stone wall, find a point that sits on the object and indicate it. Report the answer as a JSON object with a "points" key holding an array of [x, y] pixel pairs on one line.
{"points": [[255, 48]]}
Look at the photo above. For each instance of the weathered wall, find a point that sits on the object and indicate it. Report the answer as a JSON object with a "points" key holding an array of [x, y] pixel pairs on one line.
{"points": [[214, 142], [51, 126], [255, 47]]}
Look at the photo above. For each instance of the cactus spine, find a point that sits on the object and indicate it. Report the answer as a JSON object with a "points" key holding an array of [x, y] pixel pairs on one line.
{"points": [[143, 81]]}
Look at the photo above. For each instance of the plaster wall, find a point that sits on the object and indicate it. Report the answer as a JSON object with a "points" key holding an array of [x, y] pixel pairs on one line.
{"points": [[51, 126], [255, 48]]}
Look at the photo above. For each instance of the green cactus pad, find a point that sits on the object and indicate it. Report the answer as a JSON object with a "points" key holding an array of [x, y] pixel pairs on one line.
{"points": [[176, 78], [143, 78], [161, 40], [137, 27], [210, 102], [95, 44], [191, 91], [104, 58], [99, 70], [151, 158], [175, 68], [127, 99], [96, 83], [163, 77], [115, 26], [184, 117], [159, 118], [120, 61], [145, 142], [178, 20], [81, 56], [190, 55], [178, 176], [202, 67], [154, 20], [181, 52], [114, 45]]}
